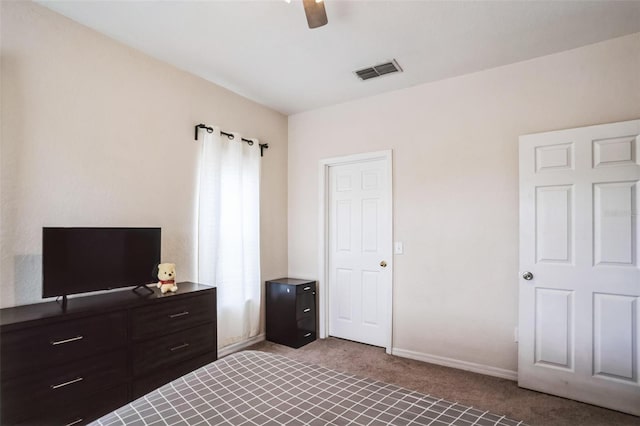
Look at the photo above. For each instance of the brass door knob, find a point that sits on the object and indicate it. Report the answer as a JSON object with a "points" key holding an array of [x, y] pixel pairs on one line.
{"points": [[383, 264]]}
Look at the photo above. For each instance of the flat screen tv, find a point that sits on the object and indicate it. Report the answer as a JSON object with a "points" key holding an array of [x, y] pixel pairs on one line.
{"points": [[81, 260]]}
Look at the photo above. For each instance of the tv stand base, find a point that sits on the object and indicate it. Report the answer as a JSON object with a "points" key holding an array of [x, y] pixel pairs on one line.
{"points": [[63, 302], [143, 286]]}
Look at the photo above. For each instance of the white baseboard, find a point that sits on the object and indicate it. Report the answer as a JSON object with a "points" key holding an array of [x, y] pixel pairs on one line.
{"points": [[228, 350], [456, 363]]}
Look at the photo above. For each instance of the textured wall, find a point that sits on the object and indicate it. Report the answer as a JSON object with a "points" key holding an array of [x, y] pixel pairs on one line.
{"points": [[97, 134], [455, 147]]}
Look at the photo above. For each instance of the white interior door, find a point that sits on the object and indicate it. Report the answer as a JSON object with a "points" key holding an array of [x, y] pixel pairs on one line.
{"points": [[359, 251], [579, 322]]}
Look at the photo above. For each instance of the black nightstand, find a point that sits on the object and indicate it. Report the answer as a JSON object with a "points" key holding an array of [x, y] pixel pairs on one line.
{"points": [[291, 311]]}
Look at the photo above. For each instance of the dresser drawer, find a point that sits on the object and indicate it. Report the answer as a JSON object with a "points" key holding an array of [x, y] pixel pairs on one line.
{"points": [[154, 380], [175, 347], [172, 315], [48, 389], [81, 412], [29, 350]]}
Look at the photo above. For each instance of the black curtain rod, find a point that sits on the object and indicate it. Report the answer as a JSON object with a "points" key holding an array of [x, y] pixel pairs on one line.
{"points": [[263, 146]]}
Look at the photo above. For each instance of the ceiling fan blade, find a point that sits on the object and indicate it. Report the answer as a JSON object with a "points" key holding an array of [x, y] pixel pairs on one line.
{"points": [[316, 15]]}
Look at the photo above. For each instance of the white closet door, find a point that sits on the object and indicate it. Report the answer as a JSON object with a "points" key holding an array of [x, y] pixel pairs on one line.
{"points": [[580, 264]]}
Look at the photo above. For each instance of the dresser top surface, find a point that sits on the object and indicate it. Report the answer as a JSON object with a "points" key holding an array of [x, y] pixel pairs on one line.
{"points": [[118, 299], [291, 281]]}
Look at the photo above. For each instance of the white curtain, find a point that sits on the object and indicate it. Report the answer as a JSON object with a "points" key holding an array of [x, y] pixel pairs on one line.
{"points": [[229, 232]]}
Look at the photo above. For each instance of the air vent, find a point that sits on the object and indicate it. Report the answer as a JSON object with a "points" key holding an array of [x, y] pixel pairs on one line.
{"points": [[378, 70]]}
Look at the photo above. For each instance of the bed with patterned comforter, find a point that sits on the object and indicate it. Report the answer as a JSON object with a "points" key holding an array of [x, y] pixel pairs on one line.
{"points": [[257, 388]]}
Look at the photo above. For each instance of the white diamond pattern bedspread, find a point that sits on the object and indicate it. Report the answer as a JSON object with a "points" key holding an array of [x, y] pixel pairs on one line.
{"points": [[257, 388]]}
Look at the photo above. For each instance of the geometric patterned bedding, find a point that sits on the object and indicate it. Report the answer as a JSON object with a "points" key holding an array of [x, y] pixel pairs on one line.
{"points": [[258, 388]]}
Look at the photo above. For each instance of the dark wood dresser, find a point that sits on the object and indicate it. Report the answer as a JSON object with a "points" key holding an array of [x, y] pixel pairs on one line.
{"points": [[68, 368], [291, 311]]}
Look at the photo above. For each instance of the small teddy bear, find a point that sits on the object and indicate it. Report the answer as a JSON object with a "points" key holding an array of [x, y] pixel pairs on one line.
{"points": [[167, 277]]}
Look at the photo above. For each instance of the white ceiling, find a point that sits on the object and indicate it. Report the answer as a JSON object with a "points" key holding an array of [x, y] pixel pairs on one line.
{"points": [[263, 49]]}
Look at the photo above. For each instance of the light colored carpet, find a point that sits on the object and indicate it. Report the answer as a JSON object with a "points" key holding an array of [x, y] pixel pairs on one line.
{"points": [[499, 396]]}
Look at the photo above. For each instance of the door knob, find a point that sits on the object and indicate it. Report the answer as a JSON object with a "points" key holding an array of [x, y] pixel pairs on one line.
{"points": [[383, 264], [527, 276]]}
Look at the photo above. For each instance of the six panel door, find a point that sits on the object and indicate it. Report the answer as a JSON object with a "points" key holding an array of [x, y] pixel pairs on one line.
{"points": [[579, 322], [359, 251]]}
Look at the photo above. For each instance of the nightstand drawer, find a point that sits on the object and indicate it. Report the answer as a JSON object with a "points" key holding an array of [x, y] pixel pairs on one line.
{"points": [[51, 388], [164, 350], [303, 337], [170, 317], [306, 288], [30, 349], [305, 305]]}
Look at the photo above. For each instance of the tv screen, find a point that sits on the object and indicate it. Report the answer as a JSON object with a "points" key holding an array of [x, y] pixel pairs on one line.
{"points": [[80, 260]]}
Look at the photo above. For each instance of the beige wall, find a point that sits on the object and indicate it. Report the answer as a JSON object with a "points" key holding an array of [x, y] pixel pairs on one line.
{"points": [[95, 133], [455, 147]]}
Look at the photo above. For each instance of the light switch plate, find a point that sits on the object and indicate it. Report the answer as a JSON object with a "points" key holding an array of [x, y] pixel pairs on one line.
{"points": [[398, 247]]}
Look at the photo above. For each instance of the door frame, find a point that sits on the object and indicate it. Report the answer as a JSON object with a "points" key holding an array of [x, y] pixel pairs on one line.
{"points": [[323, 233]]}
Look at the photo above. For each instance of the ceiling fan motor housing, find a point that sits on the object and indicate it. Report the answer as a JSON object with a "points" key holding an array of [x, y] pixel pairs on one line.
{"points": [[316, 14]]}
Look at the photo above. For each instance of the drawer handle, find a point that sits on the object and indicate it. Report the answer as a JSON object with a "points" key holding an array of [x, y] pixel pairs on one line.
{"points": [[307, 335], [70, 382], [307, 288], [179, 314], [60, 342], [306, 310], [182, 346], [75, 422]]}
